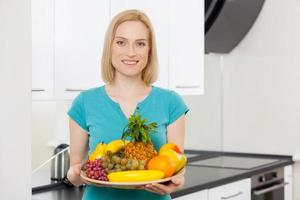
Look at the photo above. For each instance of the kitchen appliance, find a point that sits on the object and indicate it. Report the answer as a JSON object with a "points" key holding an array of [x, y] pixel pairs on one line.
{"points": [[227, 22], [268, 185], [60, 163], [235, 162]]}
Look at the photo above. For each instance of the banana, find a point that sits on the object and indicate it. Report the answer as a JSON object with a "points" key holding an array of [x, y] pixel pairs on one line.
{"points": [[135, 176], [116, 145], [98, 152]]}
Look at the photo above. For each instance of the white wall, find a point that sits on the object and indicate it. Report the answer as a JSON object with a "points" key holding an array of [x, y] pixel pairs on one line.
{"points": [[261, 81], [262, 84], [203, 125], [15, 99]]}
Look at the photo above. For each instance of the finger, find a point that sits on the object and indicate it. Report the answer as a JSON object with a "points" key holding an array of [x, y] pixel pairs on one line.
{"points": [[167, 189], [161, 188], [153, 189], [176, 180], [86, 182], [150, 188]]}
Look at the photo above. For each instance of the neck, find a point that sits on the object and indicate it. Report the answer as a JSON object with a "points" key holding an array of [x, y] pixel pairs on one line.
{"points": [[127, 86]]}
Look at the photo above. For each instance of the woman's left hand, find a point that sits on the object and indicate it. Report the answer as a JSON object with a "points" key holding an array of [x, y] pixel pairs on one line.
{"points": [[163, 189]]}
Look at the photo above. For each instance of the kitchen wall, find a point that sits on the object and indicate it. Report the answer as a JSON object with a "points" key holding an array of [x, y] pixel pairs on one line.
{"points": [[15, 104], [261, 86]]}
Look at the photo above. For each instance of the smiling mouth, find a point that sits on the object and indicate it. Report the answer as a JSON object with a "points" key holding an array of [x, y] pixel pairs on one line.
{"points": [[130, 62]]}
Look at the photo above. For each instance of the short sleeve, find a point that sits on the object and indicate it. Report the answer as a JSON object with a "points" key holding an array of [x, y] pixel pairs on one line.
{"points": [[77, 111], [177, 107]]}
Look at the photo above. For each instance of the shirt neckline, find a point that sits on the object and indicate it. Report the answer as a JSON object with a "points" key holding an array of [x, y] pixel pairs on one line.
{"points": [[116, 104]]}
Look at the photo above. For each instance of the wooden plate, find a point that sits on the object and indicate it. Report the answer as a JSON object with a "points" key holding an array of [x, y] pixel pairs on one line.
{"points": [[127, 185]]}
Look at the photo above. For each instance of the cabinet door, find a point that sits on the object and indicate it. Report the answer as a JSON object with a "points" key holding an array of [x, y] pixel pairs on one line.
{"points": [[201, 195], [157, 11], [42, 49], [288, 179], [79, 34], [240, 190], [186, 46]]}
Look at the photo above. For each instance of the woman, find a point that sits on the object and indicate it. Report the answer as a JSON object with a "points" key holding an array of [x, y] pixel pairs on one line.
{"points": [[129, 67]]}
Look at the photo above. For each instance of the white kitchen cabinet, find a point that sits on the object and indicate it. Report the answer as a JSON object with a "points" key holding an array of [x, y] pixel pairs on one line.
{"points": [[68, 37], [157, 11], [288, 180], [42, 49], [239, 190], [186, 50], [80, 27], [201, 195]]}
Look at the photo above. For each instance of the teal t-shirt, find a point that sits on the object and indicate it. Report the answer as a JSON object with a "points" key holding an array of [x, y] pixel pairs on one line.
{"points": [[103, 120]]}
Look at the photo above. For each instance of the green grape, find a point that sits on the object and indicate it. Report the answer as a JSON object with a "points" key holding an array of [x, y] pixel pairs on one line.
{"points": [[110, 166], [114, 158], [135, 164], [118, 160], [123, 161], [104, 159], [108, 160], [143, 162], [141, 167], [128, 166], [105, 164]]}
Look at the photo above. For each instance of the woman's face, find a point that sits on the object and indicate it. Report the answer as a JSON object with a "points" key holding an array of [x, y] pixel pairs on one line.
{"points": [[130, 48]]}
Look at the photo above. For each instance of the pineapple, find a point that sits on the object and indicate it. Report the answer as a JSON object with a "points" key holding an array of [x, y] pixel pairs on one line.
{"points": [[140, 147]]}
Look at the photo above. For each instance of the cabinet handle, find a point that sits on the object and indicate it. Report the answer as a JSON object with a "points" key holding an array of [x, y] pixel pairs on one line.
{"points": [[74, 90], [37, 90], [231, 196], [187, 86]]}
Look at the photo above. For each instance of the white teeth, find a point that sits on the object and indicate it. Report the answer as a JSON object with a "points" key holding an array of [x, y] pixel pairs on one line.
{"points": [[129, 62]]}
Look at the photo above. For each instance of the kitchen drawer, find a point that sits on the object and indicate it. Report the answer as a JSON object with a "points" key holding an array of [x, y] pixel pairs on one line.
{"points": [[239, 190], [201, 195]]}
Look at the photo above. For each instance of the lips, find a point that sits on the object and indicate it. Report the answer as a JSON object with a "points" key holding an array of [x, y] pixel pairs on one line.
{"points": [[130, 62]]}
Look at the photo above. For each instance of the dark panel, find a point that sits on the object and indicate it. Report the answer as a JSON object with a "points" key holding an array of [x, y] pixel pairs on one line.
{"points": [[231, 25]]}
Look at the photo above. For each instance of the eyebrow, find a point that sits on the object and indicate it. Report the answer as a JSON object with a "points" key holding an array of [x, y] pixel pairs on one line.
{"points": [[127, 39]]}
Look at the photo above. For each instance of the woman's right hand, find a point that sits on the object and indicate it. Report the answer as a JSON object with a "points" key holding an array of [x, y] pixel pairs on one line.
{"points": [[73, 175]]}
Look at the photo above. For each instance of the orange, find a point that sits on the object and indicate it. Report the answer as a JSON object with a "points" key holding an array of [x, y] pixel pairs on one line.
{"points": [[162, 163]]}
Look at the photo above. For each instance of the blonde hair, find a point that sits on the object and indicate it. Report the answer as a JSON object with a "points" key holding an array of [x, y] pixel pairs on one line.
{"points": [[150, 72]]}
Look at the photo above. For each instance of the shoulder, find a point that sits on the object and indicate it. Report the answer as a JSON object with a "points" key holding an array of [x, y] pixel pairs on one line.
{"points": [[166, 93], [162, 91], [90, 93]]}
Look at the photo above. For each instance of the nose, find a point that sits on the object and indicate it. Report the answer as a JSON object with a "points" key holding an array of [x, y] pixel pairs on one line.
{"points": [[131, 51]]}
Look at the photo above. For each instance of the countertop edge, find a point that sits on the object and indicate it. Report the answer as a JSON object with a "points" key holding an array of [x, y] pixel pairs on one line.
{"points": [[231, 179]]}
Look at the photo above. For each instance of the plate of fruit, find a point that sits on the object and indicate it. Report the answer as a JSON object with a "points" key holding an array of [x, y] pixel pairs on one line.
{"points": [[132, 163]]}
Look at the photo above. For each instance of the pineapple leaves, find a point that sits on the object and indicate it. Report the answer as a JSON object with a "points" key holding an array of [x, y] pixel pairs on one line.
{"points": [[138, 129]]}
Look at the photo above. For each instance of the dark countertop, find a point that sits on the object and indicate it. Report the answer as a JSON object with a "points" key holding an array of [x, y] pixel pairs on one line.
{"points": [[196, 178]]}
